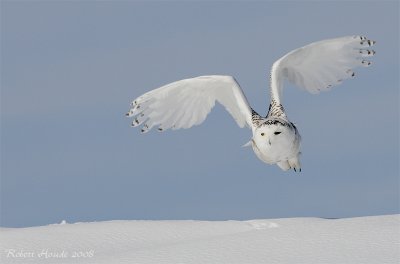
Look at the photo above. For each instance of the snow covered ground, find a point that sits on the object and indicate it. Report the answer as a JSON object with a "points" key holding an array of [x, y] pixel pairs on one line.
{"points": [[363, 240]]}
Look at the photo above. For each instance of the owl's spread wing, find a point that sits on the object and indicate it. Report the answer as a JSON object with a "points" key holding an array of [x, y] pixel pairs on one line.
{"points": [[320, 65], [186, 103]]}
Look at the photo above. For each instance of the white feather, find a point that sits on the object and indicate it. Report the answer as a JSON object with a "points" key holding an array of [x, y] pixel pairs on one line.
{"points": [[186, 103], [320, 65]]}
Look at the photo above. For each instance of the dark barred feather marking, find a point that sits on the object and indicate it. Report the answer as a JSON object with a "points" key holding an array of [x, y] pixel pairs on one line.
{"points": [[256, 119], [276, 110]]}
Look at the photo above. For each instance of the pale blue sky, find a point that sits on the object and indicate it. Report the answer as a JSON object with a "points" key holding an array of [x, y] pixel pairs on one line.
{"points": [[70, 69]]}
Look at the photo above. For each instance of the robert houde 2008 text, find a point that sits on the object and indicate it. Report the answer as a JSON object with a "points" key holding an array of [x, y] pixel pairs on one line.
{"points": [[48, 253]]}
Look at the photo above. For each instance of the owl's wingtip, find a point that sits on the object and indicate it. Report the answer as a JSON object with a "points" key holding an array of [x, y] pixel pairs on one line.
{"points": [[248, 144]]}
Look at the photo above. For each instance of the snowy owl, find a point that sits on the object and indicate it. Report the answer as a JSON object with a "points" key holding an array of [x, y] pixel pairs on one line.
{"points": [[315, 67]]}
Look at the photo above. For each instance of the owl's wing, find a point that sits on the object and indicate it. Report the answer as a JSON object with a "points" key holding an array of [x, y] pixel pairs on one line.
{"points": [[320, 65], [186, 103]]}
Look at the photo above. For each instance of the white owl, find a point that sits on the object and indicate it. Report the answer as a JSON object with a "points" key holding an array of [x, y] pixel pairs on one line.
{"points": [[315, 67]]}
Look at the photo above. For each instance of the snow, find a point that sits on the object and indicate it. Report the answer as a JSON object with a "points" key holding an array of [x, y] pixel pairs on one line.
{"points": [[374, 239]]}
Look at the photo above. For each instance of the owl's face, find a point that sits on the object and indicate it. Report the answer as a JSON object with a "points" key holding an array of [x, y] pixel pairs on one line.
{"points": [[271, 134], [274, 137]]}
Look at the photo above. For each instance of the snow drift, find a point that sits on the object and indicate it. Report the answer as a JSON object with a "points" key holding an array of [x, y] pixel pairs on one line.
{"points": [[294, 240]]}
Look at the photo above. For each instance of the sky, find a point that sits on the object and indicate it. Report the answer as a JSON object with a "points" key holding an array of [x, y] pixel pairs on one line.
{"points": [[69, 70]]}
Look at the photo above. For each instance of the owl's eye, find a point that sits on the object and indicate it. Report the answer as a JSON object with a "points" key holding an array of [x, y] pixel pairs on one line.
{"points": [[277, 132], [262, 134]]}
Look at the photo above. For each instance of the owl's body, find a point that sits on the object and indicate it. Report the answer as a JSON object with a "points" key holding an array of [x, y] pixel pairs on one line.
{"points": [[315, 67], [277, 141]]}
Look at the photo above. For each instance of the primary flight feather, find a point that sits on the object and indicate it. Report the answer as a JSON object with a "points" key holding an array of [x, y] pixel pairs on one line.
{"points": [[315, 67]]}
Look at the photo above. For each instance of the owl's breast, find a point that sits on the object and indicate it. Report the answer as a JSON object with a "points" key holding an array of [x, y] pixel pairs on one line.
{"points": [[272, 152]]}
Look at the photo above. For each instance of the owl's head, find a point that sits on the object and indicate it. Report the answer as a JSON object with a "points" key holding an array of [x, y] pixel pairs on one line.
{"points": [[275, 132]]}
